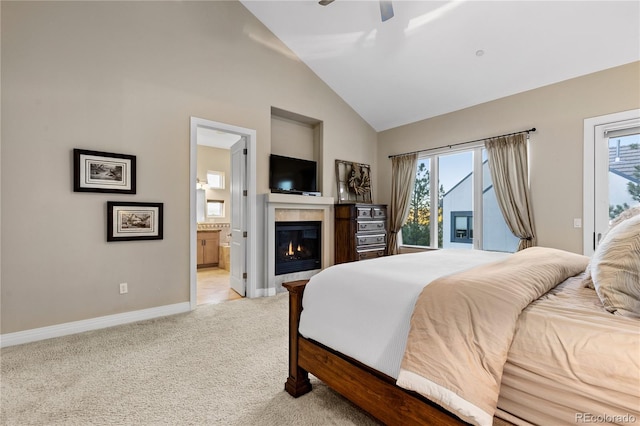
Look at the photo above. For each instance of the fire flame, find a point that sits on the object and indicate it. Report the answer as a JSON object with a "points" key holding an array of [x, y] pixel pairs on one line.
{"points": [[290, 251]]}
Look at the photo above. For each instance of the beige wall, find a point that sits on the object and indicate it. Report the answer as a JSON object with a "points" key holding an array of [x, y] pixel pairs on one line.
{"points": [[557, 112], [292, 139], [126, 77]]}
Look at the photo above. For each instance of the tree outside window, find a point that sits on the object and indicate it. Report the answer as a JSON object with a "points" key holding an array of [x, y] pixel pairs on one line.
{"points": [[417, 228]]}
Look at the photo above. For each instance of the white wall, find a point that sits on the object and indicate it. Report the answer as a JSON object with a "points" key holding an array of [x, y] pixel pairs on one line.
{"points": [[292, 139]]}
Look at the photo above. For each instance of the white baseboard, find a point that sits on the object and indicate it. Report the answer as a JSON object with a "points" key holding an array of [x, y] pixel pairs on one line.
{"points": [[264, 292], [35, 334]]}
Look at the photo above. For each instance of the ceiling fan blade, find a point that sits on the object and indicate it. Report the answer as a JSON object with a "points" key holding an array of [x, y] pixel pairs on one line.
{"points": [[386, 10]]}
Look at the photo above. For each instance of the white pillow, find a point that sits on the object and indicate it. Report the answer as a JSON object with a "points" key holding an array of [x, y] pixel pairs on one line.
{"points": [[626, 214], [615, 269]]}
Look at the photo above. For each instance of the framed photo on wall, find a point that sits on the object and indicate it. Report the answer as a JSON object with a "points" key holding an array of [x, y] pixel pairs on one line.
{"points": [[354, 182], [95, 171], [134, 221]]}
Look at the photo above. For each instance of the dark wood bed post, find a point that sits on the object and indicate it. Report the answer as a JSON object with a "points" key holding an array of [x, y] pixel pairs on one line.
{"points": [[297, 383], [370, 390]]}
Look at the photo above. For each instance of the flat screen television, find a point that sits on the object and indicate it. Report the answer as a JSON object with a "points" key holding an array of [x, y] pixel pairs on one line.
{"points": [[292, 175]]}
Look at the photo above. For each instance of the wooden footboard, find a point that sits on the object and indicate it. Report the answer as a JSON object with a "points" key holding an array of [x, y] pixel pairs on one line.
{"points": [[369, 389]]}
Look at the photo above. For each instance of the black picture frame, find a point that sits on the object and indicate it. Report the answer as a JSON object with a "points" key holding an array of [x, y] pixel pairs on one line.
{"points": [[107, 172], [128, 221]]}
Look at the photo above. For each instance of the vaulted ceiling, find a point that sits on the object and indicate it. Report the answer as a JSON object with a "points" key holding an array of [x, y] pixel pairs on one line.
{"points": [[435, 57]]}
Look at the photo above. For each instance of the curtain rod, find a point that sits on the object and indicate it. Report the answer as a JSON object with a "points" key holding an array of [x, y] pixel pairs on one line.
{"points": [[533, 129]]}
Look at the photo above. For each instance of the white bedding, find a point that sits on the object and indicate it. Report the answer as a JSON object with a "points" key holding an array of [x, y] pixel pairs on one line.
{"points": [[363, 309]]}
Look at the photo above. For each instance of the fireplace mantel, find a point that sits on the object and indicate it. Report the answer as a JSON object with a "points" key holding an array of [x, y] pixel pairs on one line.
{"points": [[276, 198], [288, 207]]}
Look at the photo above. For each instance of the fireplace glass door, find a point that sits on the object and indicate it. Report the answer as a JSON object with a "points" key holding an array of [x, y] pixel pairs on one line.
{"points": [[298, 246]]}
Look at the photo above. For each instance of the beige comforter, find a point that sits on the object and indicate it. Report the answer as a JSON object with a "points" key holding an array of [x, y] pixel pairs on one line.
{"points": [[463, 324]]}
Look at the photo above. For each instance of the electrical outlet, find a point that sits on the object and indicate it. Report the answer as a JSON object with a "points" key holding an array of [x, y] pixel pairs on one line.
{"points": [[124, 288]]}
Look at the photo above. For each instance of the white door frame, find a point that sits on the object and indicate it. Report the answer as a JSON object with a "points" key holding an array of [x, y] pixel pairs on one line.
{"points": [[251, 213], [588, 200]]}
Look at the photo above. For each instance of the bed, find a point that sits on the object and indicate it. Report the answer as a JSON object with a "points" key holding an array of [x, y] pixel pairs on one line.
{"points": [[566, 359]]}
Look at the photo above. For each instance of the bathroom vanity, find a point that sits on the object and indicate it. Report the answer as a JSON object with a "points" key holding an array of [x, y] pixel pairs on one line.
{"points": [[208, 246]]}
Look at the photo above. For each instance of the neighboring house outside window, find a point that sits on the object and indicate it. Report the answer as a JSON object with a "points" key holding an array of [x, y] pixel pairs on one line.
{"points": [[462, 229]]}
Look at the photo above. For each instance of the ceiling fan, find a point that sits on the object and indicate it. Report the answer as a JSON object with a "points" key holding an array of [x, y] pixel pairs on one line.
{"points": [[386, 8]]}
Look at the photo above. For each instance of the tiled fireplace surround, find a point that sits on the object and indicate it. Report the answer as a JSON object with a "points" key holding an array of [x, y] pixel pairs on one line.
{"points": [[296, 208]]}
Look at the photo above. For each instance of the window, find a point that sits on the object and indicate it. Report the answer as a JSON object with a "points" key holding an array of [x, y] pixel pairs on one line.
{"points": [[624, 170], [465, 211], [215, 180], [611, 171], [215, 208], [462, 229]]}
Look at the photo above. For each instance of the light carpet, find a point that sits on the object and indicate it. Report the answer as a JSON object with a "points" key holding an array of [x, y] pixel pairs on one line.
{"points": [[222, 364]]}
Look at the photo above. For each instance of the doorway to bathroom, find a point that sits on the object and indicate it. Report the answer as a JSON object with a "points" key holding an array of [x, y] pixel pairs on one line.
{"points": [[213, 211], [220, 189]]}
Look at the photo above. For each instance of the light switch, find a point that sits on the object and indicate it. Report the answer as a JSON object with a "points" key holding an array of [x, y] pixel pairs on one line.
{"points": [[577, 222]]}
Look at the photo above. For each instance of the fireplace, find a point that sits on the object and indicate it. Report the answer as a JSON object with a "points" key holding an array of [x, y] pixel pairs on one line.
{"points": [[297, 246]]}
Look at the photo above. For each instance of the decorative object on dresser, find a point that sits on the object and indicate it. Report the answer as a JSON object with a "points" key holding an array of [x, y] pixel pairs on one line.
{"points": [[360, 231], [96, 171], [208, 247], [354, 182], [127, 221]]}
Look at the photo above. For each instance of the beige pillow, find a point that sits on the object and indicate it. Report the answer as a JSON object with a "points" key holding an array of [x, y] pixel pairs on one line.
{"points": [[627, 214], [615, 269]]}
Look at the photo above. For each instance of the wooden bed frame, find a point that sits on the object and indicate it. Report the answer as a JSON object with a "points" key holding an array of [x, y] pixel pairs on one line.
{"points": [[369, 389]]}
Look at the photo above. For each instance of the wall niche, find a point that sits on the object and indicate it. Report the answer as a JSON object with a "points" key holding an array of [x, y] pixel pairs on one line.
{"points": [[297, 136]]}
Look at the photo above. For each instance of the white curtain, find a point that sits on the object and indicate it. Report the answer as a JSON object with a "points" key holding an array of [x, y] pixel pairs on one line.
{"points": [[509, 169], [403, 176]]}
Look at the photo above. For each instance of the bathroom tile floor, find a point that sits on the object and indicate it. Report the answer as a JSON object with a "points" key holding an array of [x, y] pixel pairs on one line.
{"points": [[213, 286]]}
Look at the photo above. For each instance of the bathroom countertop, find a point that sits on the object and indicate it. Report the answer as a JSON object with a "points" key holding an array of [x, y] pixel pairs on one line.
{"points": [[205, 226]]}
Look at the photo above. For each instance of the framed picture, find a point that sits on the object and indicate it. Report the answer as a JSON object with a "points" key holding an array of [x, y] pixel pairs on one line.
{"points": [[134, 221], [95, 171], [354, 182]]}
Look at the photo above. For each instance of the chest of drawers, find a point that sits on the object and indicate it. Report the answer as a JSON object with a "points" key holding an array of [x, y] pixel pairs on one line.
{"points": [[360, 232]]}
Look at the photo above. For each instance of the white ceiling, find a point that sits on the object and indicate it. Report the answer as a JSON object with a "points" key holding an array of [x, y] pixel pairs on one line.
{"points": [[215, 138], [425, 61]]}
